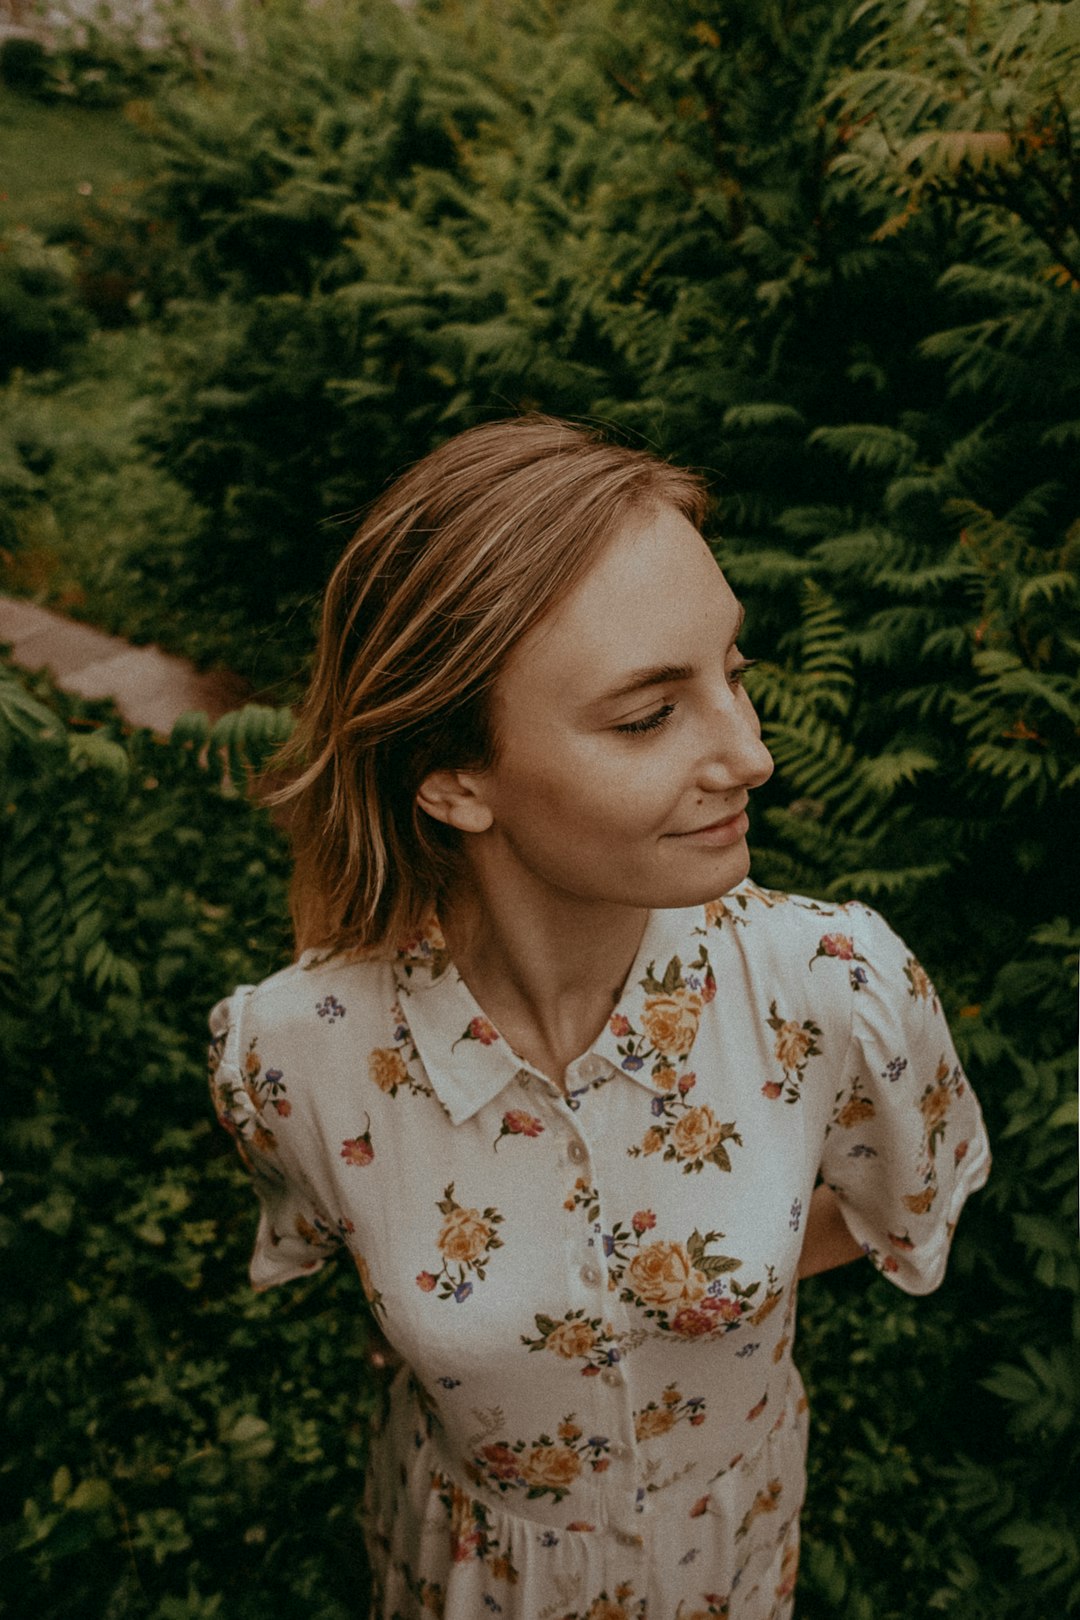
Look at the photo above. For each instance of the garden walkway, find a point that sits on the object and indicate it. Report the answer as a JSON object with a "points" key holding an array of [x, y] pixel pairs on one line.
{"points": [[149, 687]]}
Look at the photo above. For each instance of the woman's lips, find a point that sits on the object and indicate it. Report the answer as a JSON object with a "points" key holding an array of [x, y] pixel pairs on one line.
{"points": [[721, 832]]}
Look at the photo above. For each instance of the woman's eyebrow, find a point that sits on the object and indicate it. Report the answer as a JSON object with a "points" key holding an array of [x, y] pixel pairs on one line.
{"points": [[658, 674], [652, 675]]}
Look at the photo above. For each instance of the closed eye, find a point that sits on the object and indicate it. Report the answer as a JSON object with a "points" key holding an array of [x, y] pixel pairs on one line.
{"points": [[651, 722]]}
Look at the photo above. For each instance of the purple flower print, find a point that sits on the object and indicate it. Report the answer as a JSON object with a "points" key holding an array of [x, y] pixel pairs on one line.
{"points": [[331, 1009], [796, 1215], [609, 1243], [656, 1107], [462, 1291], [894, 1069], [633, 1064]]}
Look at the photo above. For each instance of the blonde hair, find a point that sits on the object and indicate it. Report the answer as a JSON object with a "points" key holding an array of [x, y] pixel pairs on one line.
{"points": [[451, 567]]}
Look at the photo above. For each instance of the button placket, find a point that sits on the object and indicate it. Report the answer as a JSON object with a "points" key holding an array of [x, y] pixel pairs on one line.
{"points": [[595, 1276]]}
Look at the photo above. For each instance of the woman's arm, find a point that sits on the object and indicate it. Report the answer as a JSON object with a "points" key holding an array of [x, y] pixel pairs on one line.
{"points": [[827, 1242]]}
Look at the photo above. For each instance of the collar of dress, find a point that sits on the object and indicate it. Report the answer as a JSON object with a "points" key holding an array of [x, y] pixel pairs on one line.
{"points": [[649, 1037]]}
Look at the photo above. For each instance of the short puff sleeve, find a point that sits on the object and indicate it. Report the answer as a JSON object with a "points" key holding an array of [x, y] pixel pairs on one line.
{"points": [[294, 1236], [905, 1144]]}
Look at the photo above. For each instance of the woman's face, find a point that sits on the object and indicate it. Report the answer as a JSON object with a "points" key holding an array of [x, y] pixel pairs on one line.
{"points": [[625, 730]]}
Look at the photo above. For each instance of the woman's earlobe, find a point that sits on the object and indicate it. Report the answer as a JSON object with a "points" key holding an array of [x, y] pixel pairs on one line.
{"points": [[453, 797]]}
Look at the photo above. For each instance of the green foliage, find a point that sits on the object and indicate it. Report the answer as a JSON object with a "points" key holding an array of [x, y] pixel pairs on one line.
{"points": [[830, 259], [152, 1403], [40, 316]]}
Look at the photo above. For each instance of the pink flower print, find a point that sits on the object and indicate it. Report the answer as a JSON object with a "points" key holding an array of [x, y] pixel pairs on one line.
{"points": [[500, 1462], [516, 1122], [690, 1323], [959, 1152], [283, 1106], [426, 1280], [771, 1088], [358, 1150], [521, 1124], [619, 1025], [479, 1029], [840, 945], [466, 1547], [756, 1411], [643, 1221], [687, 1082], [708, 989], [728, 1310]]}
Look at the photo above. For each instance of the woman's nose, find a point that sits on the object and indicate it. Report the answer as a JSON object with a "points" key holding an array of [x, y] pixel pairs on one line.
{"points": [[738, 758]]}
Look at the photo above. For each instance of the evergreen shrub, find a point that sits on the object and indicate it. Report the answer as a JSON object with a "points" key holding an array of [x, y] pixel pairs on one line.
{"points": [[174, 1446], [831, 258], [40, 316]]}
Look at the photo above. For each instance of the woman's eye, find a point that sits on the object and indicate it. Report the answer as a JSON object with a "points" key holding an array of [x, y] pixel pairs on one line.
{"points": [[651, 722], [736, 675]]}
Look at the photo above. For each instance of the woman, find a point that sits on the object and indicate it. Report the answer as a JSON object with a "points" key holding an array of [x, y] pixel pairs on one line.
{"points": [[553, 1071]]}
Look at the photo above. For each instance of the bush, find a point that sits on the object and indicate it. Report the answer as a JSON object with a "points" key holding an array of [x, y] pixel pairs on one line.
{"points": [[833, 262], [153, 1405], [40, 317], [24, 65]]}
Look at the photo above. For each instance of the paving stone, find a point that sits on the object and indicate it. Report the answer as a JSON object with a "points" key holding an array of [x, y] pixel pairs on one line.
{"points": [[150, 688]]}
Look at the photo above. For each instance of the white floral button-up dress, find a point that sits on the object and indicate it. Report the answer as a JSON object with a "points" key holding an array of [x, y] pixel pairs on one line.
{"points": [[593, 1293]]}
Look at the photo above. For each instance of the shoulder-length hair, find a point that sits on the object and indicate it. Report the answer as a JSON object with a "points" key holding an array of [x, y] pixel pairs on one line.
{"points": [[451, 567]]}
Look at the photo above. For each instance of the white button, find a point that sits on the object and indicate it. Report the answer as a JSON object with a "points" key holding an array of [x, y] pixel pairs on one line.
{"points": [[591, 1068], [620, 1452], [577, 1152], [590, 1275], [612, 1377]]}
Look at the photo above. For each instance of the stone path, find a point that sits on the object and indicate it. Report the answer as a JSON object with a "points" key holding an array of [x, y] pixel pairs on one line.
{"points": [[149, 687]]}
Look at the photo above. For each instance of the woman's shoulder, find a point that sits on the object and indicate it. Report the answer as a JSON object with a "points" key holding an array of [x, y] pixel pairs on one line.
{"points": [[775, 930], [756, 913], [316, 992]]}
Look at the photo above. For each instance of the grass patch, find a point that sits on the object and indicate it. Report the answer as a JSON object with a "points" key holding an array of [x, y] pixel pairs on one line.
{"points": [[104, 536], [58, 160]]}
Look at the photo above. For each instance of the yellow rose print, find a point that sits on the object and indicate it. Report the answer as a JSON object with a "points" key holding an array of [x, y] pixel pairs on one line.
{"points": [[386, 1066], [467, 1238], [794, 1045]]}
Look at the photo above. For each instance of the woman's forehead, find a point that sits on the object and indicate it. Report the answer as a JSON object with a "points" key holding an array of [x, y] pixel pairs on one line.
{"points": [[654, 597]]}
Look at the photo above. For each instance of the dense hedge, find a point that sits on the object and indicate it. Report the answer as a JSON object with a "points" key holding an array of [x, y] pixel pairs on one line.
{"points": [[833, 259], [174, 1445]]}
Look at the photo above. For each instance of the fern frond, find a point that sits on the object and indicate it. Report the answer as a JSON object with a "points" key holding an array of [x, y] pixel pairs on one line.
{"points": [[242, 741], [876, 882], [868, 444], [762, 415], [827, 676]]}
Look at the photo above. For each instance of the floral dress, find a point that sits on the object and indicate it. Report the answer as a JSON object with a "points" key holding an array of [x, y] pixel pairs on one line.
{"points": [[593, 1292]]}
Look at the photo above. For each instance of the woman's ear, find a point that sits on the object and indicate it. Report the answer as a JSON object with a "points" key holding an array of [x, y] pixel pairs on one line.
{"points": [[456, 798]]}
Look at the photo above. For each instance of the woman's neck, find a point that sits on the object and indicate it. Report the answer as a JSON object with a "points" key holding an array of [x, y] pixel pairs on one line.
{"points": [[547, 968]]}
